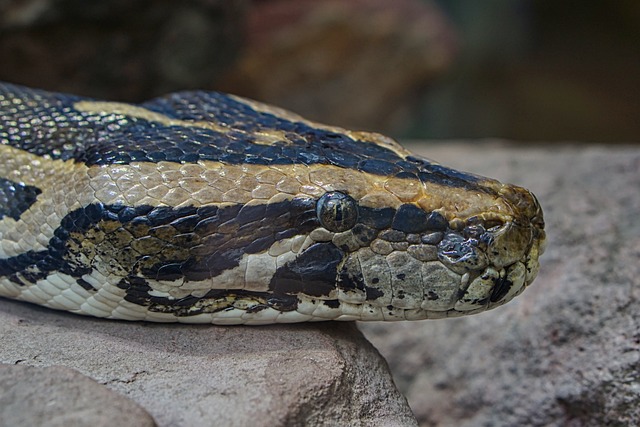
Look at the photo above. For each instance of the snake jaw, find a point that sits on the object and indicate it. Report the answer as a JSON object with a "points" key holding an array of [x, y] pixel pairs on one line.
{"points": [[467, 265], [448, 272]]}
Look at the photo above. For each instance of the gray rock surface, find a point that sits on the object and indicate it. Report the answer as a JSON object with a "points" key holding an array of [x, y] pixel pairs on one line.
{"points": [[306, 374], [61, 397], [567, 351]]}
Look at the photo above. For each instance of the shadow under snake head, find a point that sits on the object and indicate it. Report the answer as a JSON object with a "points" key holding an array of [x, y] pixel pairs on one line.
{"points": [[209, 208]]}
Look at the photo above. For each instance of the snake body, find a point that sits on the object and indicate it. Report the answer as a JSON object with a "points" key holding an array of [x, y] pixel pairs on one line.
{"points": [[202, 207]]}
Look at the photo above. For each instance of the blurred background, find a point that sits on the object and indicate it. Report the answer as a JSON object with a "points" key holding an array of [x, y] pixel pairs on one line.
{"points": [[528, 70]]}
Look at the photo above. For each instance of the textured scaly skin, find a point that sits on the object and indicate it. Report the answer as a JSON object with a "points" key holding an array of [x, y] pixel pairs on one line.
{"points": [[201, 207]]}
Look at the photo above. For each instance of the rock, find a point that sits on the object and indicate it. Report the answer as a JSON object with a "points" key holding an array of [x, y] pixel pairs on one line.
{"points": [[567, 351], [58, 396], [190, 375]]}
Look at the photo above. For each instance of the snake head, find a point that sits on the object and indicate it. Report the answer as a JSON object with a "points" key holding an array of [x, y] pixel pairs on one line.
{"points": [[432, 244]]}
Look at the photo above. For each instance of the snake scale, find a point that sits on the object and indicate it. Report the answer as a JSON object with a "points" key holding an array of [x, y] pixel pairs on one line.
{"points": [[202, 207]]}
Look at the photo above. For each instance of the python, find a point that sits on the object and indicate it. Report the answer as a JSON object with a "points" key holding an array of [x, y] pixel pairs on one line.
{"points": [[202, 207]]}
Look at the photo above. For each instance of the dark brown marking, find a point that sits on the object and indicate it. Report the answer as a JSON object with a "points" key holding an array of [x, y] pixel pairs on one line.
{"points": [[15, 198]]}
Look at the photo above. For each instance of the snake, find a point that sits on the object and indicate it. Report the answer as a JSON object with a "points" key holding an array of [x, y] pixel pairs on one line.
{"points": [[205, 207]]}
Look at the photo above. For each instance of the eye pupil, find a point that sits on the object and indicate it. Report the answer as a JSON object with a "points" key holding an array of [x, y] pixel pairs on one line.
{"points": [[337, 211]]}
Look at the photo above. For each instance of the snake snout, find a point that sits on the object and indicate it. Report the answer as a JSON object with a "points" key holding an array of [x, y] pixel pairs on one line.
{"points": [[516, 246], [497, 250]]}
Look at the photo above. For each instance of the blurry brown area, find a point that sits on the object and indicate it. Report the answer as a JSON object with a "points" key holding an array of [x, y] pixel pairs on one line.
{"points": [[540, 70], [357, 63], [520, 69], [118, 49]]}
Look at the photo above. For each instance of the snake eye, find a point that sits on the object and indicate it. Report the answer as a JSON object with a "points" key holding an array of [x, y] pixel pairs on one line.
{"points": [[337, 211]]}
